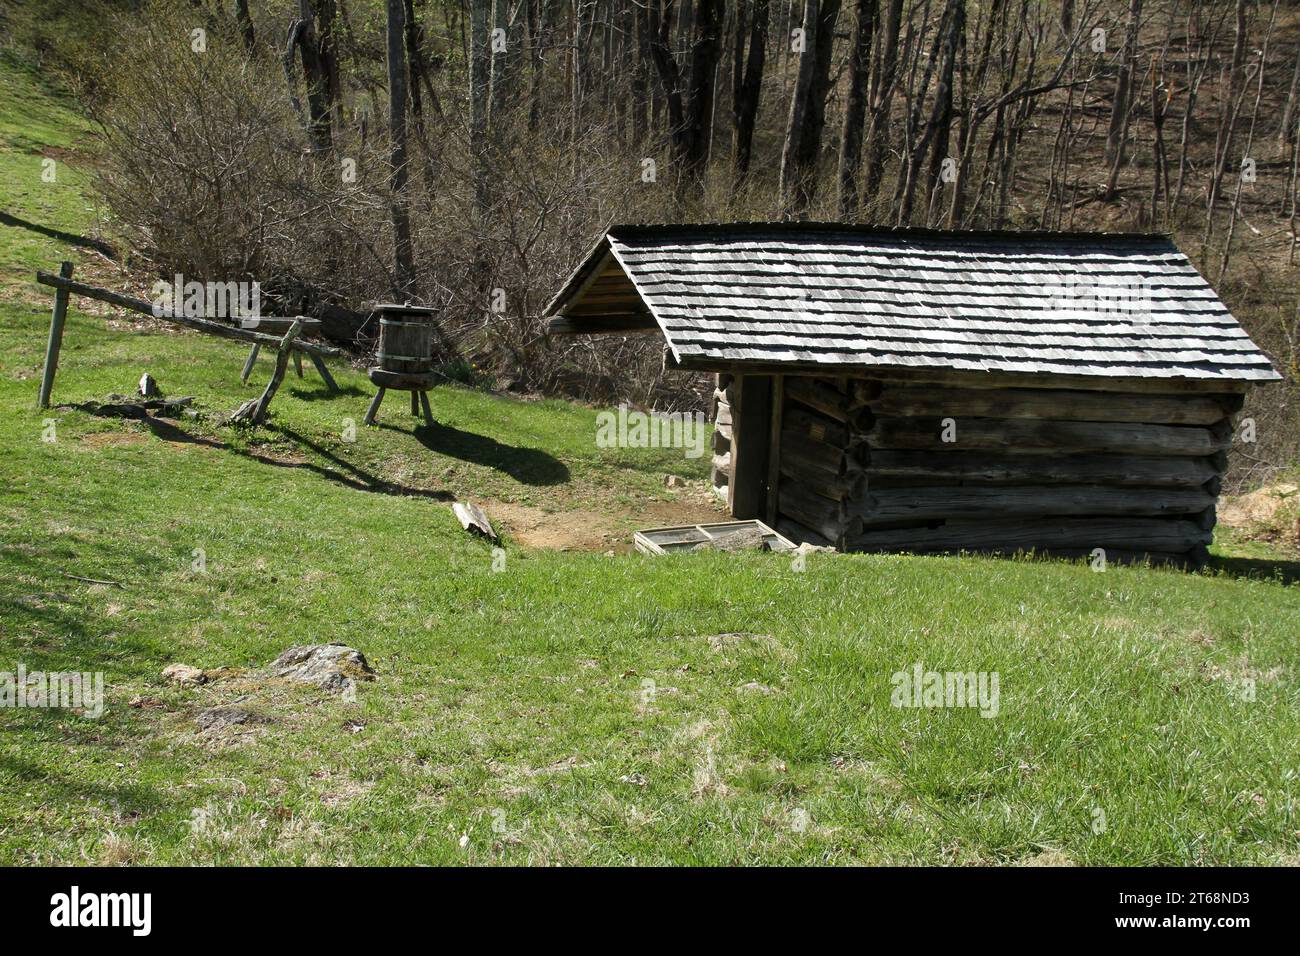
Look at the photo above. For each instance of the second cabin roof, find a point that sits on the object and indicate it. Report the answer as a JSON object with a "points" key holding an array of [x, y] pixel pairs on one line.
{"points": [[838, 298]]}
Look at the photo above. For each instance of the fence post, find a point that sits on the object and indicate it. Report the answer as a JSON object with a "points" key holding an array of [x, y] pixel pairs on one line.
{"points": [[56, 337]]}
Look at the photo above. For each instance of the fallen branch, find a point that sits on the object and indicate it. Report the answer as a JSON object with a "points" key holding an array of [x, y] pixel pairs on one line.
{"points": [[78, 577]]}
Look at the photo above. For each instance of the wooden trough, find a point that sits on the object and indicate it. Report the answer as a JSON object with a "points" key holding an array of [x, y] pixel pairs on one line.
{"points": [[688, 537]]}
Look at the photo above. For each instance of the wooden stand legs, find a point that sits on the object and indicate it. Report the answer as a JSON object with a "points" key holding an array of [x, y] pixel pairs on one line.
{"points": [[374, 406], [316, 360], [419, 400], [248, 364]]}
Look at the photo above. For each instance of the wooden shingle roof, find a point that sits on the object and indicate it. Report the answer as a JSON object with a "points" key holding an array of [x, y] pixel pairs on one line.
{"points": [[843, 298]]}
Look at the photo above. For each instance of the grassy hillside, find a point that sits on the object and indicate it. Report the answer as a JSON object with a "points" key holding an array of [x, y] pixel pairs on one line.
{"points": [[573, 707]]}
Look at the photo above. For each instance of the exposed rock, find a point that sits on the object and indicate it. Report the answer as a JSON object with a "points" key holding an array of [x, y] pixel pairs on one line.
{"points": [[221, 673], [329, 666], [218, 718], [742, 540], [148, 387], [674, 481], [183, 674]]}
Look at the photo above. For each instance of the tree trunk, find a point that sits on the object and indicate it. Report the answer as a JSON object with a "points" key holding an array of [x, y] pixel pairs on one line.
{"points": [[747, 89], [245, 22], [855, 108], [1117, 132], [479, 88], [938, 125], [882, 94], [314, 40], [404, 259], [808, 107], [705, 52], [1286, 132]]}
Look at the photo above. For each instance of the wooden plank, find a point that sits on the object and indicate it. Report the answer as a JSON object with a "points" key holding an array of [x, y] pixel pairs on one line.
{"points": [[1030, 469], [1049, 437], [827, 518], [839, 487], [58, 318], [816, 426]]}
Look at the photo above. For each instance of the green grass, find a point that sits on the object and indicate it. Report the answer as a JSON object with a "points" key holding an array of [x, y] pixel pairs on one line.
{"points": [[511, 721]]}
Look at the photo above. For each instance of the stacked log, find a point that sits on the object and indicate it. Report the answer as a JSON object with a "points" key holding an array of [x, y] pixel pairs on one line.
{"points": [[820, 461], [881, 466]]}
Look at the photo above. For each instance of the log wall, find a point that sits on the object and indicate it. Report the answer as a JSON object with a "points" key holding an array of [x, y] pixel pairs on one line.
{"points": [[884, 466]]}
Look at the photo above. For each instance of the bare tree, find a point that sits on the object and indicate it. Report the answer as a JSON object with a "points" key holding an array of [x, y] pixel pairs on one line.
{"points": [[403, 254], [747, 83], [855, 108], [1121, 105], [881, 99], [690, 110], [803, 137]]}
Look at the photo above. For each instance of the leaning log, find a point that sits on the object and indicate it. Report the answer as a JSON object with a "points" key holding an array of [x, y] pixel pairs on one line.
{"points": [[133, 304]]}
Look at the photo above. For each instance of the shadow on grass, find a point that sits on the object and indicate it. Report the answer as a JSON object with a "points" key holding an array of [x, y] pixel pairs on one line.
{"points": [[347, 473], [129, 799], [343, 472], [1283, 572], [528, 466], [322, 393]]}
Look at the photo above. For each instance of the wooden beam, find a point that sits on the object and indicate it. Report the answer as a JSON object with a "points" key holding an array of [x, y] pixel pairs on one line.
{"points": [[972, 379], [605, 324], [1129, 534], [774, 447], [750, 446]]}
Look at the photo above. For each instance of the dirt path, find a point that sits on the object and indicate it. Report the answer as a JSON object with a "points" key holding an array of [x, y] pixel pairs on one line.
{"points": [[608, 530]]}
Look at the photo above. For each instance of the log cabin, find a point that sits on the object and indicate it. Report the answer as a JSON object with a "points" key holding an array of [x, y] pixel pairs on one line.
{"points": [[936, 392]]}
